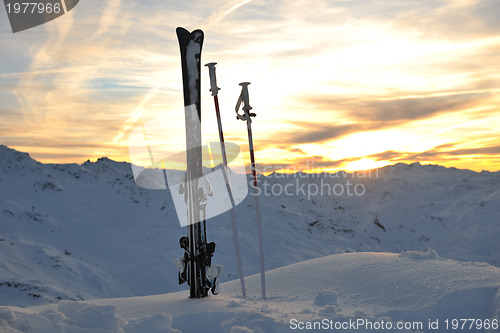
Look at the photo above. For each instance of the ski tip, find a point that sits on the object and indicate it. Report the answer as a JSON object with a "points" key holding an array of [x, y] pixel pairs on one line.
{"points": [[183, 35], [197, 31], [198, 35], [181, 30]]}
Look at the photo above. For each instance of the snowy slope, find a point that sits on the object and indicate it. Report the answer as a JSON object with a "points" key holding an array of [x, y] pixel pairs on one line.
{"points": [[364, 288], [81, 232]]}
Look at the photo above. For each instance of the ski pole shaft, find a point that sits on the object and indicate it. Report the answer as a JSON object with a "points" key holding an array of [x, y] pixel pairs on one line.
{"points": [[214, 89], [257, 210], [244, 98]]}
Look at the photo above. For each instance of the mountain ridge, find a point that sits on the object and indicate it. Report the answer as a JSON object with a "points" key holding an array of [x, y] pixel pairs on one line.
{"points": [[88, 231]]}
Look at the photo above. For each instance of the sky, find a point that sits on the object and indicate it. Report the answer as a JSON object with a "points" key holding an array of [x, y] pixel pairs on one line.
{"points": [[335, 85]]}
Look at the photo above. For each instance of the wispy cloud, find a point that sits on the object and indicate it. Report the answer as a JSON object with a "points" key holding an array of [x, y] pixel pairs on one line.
{"points": [[232, 9], [136, 113], [109, 14]]}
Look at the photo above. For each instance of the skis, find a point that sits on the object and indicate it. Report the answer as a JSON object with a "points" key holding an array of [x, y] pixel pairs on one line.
{"points": [[195, 266]]}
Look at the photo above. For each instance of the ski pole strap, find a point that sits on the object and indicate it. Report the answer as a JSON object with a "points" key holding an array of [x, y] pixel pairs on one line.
{"points": [[246, 103], [213, 79]]}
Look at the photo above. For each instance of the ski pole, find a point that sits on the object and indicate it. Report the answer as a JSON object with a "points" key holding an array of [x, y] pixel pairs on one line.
{"points": [[214, 89], [246, 117]]}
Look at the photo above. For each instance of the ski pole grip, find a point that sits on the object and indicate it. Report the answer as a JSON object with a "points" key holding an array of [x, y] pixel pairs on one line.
{"points": [[213, 79], [244, 96]]}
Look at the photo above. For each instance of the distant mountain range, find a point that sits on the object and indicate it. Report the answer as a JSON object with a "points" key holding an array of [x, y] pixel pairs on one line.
{"points": [[87, 231]]}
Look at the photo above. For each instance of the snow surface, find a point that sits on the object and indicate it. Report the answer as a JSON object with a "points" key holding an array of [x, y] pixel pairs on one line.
{"points": [[88, 233], [342, 287]]}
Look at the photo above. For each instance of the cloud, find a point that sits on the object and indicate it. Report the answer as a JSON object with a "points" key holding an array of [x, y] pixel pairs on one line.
{"points": [[232, 9], [413, 108], [389, 155], [368, 115], [438, 153], [108, 17], [295, 150], [493, 150], [85, 74], [309, 132], [305, 164], [443, 152], [136, 114], [472, 20], [449, 19]]}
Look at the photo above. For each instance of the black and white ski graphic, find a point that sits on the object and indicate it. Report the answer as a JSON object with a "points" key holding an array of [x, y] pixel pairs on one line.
{"points": [[195, 266]]}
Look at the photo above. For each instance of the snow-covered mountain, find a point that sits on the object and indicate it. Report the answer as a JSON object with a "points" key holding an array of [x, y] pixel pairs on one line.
{"points": [[80, 232]]}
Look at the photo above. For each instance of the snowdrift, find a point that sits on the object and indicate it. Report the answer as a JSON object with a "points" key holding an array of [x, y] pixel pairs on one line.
{"points": [[415, 289]]}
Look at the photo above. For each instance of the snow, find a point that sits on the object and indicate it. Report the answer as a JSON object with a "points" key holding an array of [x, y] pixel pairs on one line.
{"points": [[84, 249], [341, 287]]}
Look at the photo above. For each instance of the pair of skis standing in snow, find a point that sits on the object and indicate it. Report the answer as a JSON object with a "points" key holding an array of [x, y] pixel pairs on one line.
{"points": [[195, 267]]}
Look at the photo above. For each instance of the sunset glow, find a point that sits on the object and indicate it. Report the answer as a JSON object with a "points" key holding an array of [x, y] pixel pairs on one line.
{"points": [[346, 85]]}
